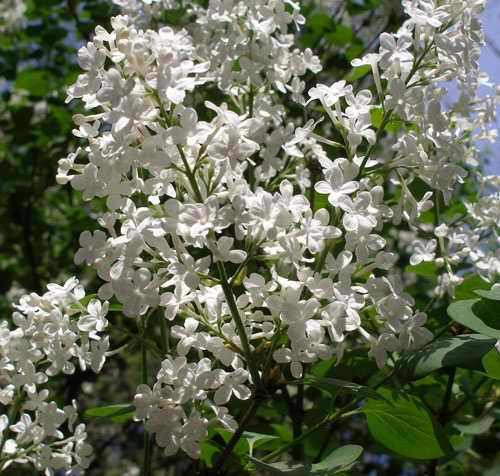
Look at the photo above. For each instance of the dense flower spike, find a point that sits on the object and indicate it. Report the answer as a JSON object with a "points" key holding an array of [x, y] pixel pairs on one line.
{"points": [[212, 218], [11, 14]]}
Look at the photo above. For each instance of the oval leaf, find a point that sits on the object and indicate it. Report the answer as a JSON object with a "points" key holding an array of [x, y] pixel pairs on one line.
{"points": [[491, 364], [465, 351], [493, 293], [402, 424], [338, 460], [480, 315]]}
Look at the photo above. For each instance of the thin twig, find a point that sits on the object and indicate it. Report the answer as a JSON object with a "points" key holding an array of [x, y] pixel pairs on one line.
{"points": [[252, 410]]}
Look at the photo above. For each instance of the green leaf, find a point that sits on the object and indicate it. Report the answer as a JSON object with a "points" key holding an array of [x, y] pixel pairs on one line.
{"points": [[320, 22], [461, 443], [208, 450], [467, 289], [376, 115], [110, 411], [284, 432], [465, 351], [342, 35], [476, 426], [255, 440], [242, 447], [333, 385], [116, 307], [341, 459], [123, 417], [37, 82], [84, 301], [492, 294], [355, 50], [357, 73], [404, 425], [427, 269], [480, 315], [491, 363]]}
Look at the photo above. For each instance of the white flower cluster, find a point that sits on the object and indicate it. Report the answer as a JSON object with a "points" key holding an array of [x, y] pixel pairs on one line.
{"points": [[213, 221], [179, 383], [471, 243], [11, 15], [52, 332], [248, 45]]}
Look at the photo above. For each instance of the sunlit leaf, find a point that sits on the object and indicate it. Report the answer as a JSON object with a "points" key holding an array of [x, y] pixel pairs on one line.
{"points": [[465, 351], [404, 425], [480, 315]]}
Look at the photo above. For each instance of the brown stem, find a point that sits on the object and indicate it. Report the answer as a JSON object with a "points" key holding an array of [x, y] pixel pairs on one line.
{"points": [[252, 410]]}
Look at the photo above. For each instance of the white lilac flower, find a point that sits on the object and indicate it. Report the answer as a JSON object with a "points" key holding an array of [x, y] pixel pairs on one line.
{"points": [[240, 192]]}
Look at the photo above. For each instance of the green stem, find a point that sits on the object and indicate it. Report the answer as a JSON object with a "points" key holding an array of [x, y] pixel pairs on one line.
{"points": [[443, 413], [298, 418], [312, 190], [148, 448], [385, 120], [165, 342], [329, 419], [387, 114], [250, 169], [190, 175], [453, 412], [231, 302]]}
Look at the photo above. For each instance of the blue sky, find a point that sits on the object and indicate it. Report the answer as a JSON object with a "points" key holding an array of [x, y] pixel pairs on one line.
{"points": [[490, 63]]}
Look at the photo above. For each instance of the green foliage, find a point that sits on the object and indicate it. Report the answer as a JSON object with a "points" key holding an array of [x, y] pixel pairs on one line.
{"points": [[480, 315], [404, 425], [340, 460], [466, 351], [116, 413], [420, 418]]}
